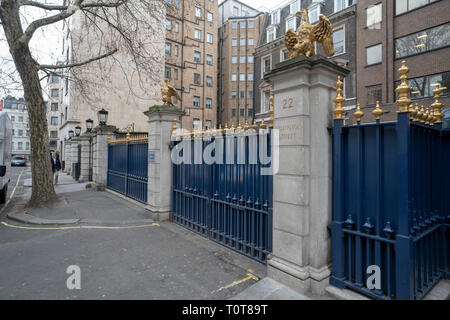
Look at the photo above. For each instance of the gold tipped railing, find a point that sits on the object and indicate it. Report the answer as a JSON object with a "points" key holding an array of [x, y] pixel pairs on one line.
{"points": [[403, 101], [378, 112], [358, 113], [438, 105], [338, 111]]}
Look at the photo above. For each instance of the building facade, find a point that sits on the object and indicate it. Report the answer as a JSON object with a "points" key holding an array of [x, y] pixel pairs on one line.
{"points": [[271, 48], [191, 58], [54, 118], [17, 112], [391, 31], [238, 36]]}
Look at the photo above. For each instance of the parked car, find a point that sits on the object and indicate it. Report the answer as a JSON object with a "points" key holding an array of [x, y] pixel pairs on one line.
{"points": [[18, 161]]}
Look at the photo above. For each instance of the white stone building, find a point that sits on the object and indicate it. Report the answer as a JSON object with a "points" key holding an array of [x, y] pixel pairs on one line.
{"points": [[53, 111]]}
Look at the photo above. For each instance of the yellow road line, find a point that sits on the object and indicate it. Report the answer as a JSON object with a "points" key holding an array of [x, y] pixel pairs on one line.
{"points": [[79, 227], [12, 193], [250, 276]]}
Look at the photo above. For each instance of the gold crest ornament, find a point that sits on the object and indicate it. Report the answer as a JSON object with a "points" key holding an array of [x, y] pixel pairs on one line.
{"points": [[302, 41], [168, 92]]}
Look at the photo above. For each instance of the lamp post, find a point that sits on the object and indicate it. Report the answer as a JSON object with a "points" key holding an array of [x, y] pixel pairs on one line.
{"points": [[71, 134], [102, 117], [77, 131], [89, 125]]}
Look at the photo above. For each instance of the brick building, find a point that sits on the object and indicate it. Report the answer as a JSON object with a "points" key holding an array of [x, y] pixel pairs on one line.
{"points": [[271, 49], [391, 31], [191, 58], [238, 36], [54, 118]]}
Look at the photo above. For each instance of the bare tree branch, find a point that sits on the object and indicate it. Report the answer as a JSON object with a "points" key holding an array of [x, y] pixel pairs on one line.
{"points": [[77, 64]]}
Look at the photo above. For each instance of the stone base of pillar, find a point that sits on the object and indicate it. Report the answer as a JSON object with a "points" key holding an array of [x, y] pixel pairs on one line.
{"points": [[158, 216], [301, 279]]}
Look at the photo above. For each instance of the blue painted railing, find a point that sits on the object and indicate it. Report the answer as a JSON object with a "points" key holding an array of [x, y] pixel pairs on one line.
{"points": [[227, 203], [391, 206], [128, 169]]}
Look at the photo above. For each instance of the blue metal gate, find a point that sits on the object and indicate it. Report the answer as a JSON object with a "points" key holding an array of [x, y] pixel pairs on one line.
{"points": [[128, 168], [227, 203], [391, 205]]}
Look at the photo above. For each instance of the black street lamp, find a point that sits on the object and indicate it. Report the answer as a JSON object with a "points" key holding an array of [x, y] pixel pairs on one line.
{"points": [[102, 117], [89, 125], [77, 131], [71, 134]]}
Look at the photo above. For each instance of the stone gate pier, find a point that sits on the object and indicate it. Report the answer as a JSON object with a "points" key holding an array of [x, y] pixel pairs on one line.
{"points": [[303, 88]]}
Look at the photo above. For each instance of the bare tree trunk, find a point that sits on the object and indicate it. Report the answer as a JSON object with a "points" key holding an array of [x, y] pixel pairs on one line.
{"points": [[43, 189]]}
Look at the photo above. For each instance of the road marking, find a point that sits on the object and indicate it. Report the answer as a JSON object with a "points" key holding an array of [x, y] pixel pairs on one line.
{"points": [[250, 276], [80, 227], [12, 193]]}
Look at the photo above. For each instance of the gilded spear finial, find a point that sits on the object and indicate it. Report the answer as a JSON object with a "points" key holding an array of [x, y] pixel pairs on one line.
{"points": [[255, 125], [358, 114], [338, 111], [438, 105], [378, 112], [174, 127], [403, 90], [128, 134], [412, 112], [263, 125], [416, 112], [426, 117], [247, 126], [421, 115], [271, 111]]}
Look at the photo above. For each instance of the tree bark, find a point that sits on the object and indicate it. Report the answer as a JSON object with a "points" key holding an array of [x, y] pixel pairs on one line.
{"points": [[27, 68]]}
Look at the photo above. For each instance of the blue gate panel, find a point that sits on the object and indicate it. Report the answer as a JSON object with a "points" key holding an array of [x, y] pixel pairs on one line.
{"points": [[128, 169]]}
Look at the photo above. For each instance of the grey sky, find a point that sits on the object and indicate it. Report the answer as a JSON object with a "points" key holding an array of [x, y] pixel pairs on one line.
{"points": [[268, 4]]}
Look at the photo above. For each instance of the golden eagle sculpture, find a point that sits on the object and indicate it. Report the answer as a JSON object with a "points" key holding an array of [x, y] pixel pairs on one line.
{"points": [[302, 41], [168, 92]]}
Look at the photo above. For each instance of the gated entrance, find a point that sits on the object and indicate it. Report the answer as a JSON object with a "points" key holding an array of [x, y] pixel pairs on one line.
{"points": [[390, 209], [128, 167], [228, 201]]}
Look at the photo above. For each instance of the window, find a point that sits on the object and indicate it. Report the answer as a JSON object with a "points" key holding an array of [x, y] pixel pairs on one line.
{"points": [[55, 93], [169, 2], [168, 24], [233, 59], [423, 41], [209, 59], [210, 17], [245, 13], [175, 50], [13, 132], [233, 77], [374, 94], [209, 37], [314, 14], [242, 77], [291, 23], [233, 94], [340, 5], [54, 107], [20, 132], [209, 81], [234, 42], [266, 64], [54, 134], [20, 146], [423, 87], [20, 118], [28, 146], [233, 112], [250, 77], [242, 42], [198, 12], [266, 102], [241, 112], [208, 124], [13, 118], [242, 25], [175, 74], [374, 16], [197, 78], [54, 121], [208, 103], [198, 34], [339, 41], [250, 112], [275, 17], [168, 48], [294, 7], [55, 78], [234, 24], [196, 101], [251, 24], [271, 34], [242, 95], [167, 73], [177, 27], [196, 124], [402, 6], [250, 59], [242, 59], [373, 54], [284, 55], [250, 41], [197, 56], [250, 95], [235, 11]]}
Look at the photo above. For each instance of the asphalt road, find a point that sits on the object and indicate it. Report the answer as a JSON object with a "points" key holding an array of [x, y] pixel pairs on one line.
{"points": [[162, 261], [14, 186]]}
